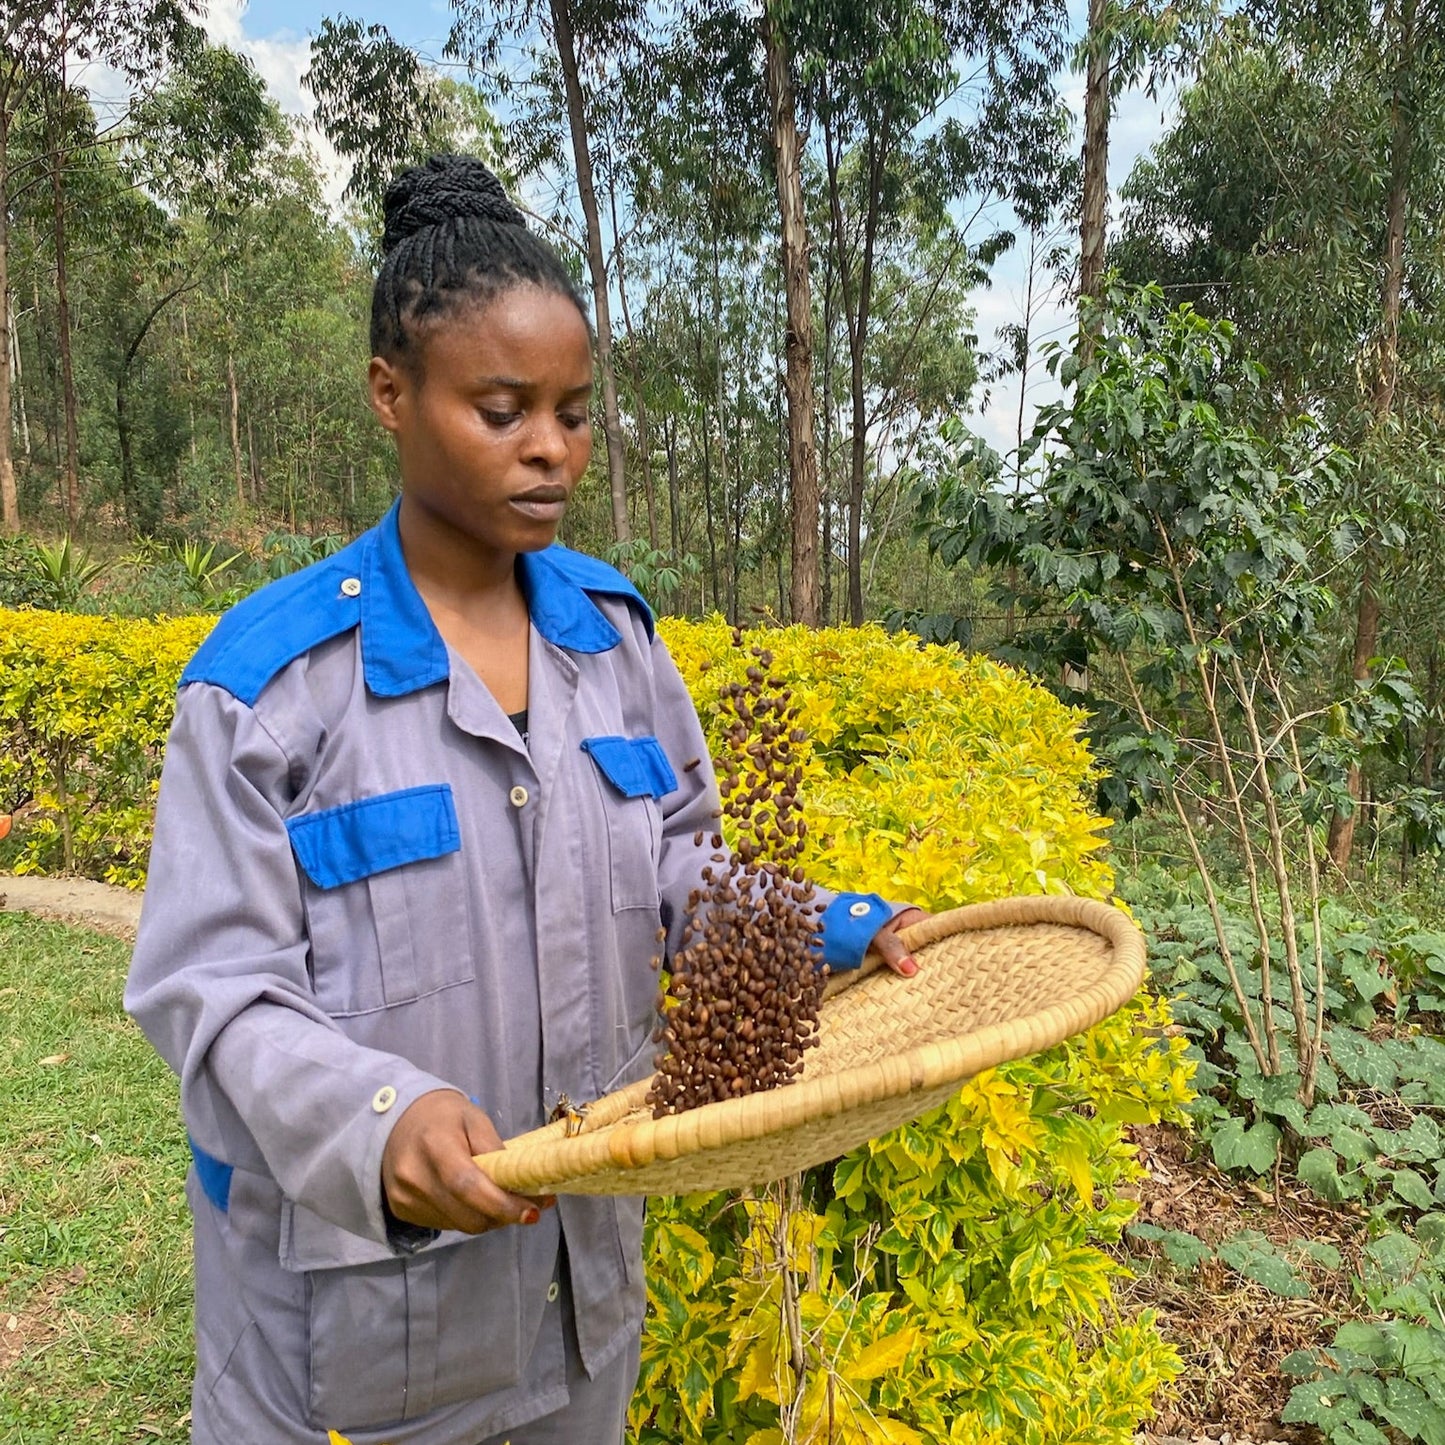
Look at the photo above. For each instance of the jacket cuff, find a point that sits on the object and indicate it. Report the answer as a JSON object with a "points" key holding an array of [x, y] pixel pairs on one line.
{"points": [[380, 1223], [848, 925]]}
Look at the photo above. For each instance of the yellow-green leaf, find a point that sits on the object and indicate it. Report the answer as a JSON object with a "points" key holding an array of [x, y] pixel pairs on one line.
{"points": [[883, 1355]]}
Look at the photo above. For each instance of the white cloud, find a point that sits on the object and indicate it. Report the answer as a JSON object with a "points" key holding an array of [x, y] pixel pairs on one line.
{"points": [[281, 59]]}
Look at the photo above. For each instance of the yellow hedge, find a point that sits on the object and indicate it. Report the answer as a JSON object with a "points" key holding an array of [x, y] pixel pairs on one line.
{"points": [[947, 1283], [941, 779], [85, 705]]}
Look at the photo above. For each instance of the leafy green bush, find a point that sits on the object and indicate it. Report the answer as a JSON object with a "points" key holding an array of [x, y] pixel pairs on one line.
{"points": [[22, 583]]}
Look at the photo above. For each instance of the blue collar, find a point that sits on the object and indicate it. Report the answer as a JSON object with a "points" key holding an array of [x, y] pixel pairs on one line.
{"points": [[401, 649]]}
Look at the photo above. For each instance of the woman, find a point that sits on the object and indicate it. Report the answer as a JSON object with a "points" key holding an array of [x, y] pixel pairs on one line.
{"points": [[423, 812]]}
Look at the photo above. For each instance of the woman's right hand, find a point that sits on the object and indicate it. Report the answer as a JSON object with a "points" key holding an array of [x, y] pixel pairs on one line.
{"points": [[429, 1177]]}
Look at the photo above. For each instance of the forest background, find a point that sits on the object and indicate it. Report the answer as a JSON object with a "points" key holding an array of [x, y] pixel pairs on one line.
{"points": [[1212, 520]]}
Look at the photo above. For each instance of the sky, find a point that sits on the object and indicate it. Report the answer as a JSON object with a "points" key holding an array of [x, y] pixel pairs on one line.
{"points": [[275, 34]]}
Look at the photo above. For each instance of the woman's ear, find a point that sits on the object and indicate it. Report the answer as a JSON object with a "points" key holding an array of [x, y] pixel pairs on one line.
{"points": [[389, 384]]}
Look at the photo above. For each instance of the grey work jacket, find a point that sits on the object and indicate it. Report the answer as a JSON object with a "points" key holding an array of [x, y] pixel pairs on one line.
{"points": [[364, 886]]}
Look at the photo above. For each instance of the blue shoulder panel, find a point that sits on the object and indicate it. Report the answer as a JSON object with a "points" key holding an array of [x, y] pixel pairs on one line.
{"points": [[270, 628], [591, 575]]}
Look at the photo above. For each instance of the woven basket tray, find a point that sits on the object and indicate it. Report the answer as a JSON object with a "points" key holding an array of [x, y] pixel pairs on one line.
{"points": [[996, 981]]}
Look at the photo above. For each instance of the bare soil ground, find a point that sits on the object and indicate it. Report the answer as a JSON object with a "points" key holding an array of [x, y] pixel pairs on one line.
{"points": [[1230, 1332], [39, 1322], [74, 900]]}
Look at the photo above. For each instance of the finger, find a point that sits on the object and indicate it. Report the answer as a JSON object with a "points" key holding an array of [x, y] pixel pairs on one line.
{"points": [[437, 1184], [477, 1202], [894, 954], [907, 919], [482, 1138]]}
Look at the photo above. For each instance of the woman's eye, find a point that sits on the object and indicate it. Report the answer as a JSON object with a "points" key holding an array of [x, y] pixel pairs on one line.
{"points": [[499, 418], [574, 419]]}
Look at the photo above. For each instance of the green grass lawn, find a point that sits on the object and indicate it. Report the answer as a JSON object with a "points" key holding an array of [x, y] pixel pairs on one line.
{"points": [[95, 1270]]}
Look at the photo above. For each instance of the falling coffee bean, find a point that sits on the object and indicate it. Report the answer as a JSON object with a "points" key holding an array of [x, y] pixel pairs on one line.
{"points": [[742, 999]]}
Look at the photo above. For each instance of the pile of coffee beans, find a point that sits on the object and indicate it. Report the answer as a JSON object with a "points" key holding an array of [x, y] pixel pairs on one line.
{"points": [[740, 1008]]}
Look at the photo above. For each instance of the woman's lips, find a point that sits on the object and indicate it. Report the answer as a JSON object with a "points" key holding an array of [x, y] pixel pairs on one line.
{"points": [[542, 506]]}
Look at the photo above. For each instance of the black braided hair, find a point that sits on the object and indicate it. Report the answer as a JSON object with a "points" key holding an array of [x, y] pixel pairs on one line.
{"points": [[453, 239]]}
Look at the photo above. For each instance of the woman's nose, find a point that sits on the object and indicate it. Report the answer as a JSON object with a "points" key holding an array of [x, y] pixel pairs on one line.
{"points": [[547, 441]]}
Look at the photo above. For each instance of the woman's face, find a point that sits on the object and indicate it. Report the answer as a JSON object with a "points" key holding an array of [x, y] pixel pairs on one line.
{"points": [[492, 428]]}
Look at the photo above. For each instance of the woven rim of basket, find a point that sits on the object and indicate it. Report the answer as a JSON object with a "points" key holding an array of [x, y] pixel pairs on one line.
{"points": [[609, 1141]]}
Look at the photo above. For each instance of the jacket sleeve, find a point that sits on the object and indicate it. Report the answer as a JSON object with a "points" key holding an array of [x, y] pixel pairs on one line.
{"points": [[219, 980], [848, 921]]}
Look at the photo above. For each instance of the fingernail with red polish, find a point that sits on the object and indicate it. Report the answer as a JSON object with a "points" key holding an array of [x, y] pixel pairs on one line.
{"points": [[530, 1216], [908, 966]]}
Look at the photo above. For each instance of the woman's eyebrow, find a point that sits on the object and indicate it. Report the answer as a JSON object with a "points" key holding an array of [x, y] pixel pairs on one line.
{"points": [[513, 383]]}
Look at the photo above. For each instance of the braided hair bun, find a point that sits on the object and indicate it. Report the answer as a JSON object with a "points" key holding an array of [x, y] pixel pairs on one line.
{"points": [[446, 188], [453, 240]]}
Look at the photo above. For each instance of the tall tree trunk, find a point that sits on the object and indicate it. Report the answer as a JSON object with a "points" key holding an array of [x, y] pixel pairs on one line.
{"points": [[48, 404], [62, 316], [577, 124], [735, 560], [255, 465], [714, 579], [1367, 632], [21, 416], [1382, 395], [674, 502], [144, 512], [9, 496], [724, 467], [857, 306], [780, 475], [233, 392], [826, 459], [190, 378], [1432, 727], [639, 402], [798, 340], [706, 465], [1096, 157], [14, 82], [62, 335]]}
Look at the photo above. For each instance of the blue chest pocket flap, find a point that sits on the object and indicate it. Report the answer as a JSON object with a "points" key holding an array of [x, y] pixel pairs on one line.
{"points": [[354, 840], [636, 767]]}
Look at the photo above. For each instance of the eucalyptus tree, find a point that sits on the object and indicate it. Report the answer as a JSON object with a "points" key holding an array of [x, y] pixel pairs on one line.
{"points": [[383, 108], [580, 35], [39, 39], [798, 343], [201, 144], [705, 206], [946, 104], [1122, 39]]}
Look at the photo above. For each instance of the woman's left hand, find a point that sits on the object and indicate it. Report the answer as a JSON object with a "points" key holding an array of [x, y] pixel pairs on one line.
{"points": [[889, 946]]}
